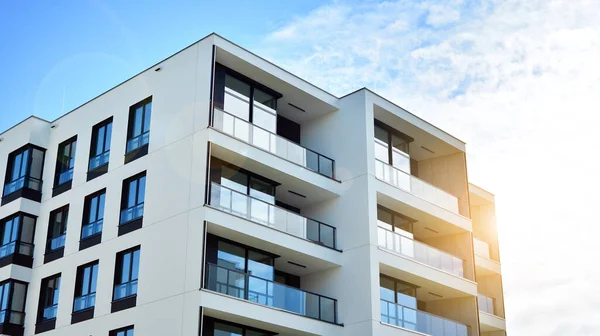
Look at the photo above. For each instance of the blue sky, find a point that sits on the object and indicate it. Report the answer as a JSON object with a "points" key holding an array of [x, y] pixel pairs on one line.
{"points": [[85, 47], [517, 80]]}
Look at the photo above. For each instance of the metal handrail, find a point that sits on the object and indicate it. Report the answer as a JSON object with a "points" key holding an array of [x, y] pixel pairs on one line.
{"points": [[279, 136], [278, 207], [247, 290], [416, 324], [413, 176], [416, 242]]}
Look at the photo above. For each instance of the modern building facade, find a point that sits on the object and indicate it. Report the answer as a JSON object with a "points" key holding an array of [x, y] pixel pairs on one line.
{"points": [[216, 194]]}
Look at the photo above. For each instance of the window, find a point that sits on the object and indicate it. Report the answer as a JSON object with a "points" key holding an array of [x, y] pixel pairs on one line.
{"points": [[16, 234], [138, 129], [49, 298], [127, 331], [65, 162], [393, 221], [397, 291], [100, 146], [392, 146], [93, 214], [132, 199], [24, 171], [214, 327], [244, 182], [85, 287], [126, 273], [12, 302], [57, 229]]}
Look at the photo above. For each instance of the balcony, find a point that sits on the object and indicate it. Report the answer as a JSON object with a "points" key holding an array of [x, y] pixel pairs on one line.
{"points": [[415, 186], [483, 262], [268, 293], [488, 319], [407, 247], [272, 143], [261, 212], [16, 252], [413, 319], [11, 322]]}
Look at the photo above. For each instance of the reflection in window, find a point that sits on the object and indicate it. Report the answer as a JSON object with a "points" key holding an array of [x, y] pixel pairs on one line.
{"points": [[65, 161], [93, 214], [57, 229], [49, 298], [24, 170], [126, 273], [397, 291], [138, 129]]}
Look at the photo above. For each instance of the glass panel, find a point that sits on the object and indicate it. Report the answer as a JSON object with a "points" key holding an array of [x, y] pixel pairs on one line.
{"points": [[108, 137], [147, 116], [227, 330], [326, 166], [125, 267], [262, 190], [24, 162], [141, 194], [386, 288], [37, 164], [135, 266], [231, 256], [260, 265], [137, 121], [264, 119], [265, 98], [233, 179]]}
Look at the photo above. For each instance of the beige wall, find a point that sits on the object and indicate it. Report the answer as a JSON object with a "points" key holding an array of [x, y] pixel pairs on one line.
{"points": [[459, 245], [494, 333], [484, 227], [462, 310], [448, 173], [491, 286]]}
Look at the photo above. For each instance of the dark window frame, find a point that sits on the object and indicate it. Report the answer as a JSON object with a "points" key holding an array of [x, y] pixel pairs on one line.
{"points": [[208, 327], [78, 290], [9, 305], [24, 191], [115, 332], [94, 143], [131, 125], [125, 197], [44, 297], [87, 204], [64, 210], [216, 168], [390, 133], [61, 166], [27, 259], [395, 214], [119, 270]]}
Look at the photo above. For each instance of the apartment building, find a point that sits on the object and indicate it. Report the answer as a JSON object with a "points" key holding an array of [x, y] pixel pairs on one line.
{"points": [[217, 194]]}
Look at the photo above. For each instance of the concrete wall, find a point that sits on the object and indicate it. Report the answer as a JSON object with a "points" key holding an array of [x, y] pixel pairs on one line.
{"points": [[448, 173]]}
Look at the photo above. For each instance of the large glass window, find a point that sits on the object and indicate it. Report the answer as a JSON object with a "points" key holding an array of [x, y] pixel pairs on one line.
{"points": [[214, 327], [57, 228], [392, 147], [397, 291], [132, 199], [138, 129], [246, 183], [85, 287], [126, 273], [49, 298], [17, 233], [12, 302], [100, 146], [394, 221], [127, 331], [65, 161], [24, 170], [93, 214]]}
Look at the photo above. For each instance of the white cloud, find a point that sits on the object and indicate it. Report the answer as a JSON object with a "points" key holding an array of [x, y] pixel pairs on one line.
{"points": [[520, 82]]}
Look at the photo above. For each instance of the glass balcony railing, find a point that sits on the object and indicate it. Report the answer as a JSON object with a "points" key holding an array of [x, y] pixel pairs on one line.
{"points": [[137, 142], [413, 319], [50, 312], [134, 212], [486, 304], [415, 186], [125, 289], [22, 182], [12, 317], [481, 248], [273, 143], [65, 176], [91, 229], [58, 242], [418, 251], [99, 160], [20, 247], [267, 214], [84, 302], [269, 293]]}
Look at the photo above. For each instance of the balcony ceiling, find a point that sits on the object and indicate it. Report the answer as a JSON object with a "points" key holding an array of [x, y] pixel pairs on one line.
{"points": [[313, 107]]}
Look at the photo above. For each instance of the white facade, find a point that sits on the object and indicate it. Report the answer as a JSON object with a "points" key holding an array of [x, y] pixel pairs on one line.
{"points": [[188, 134]]}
